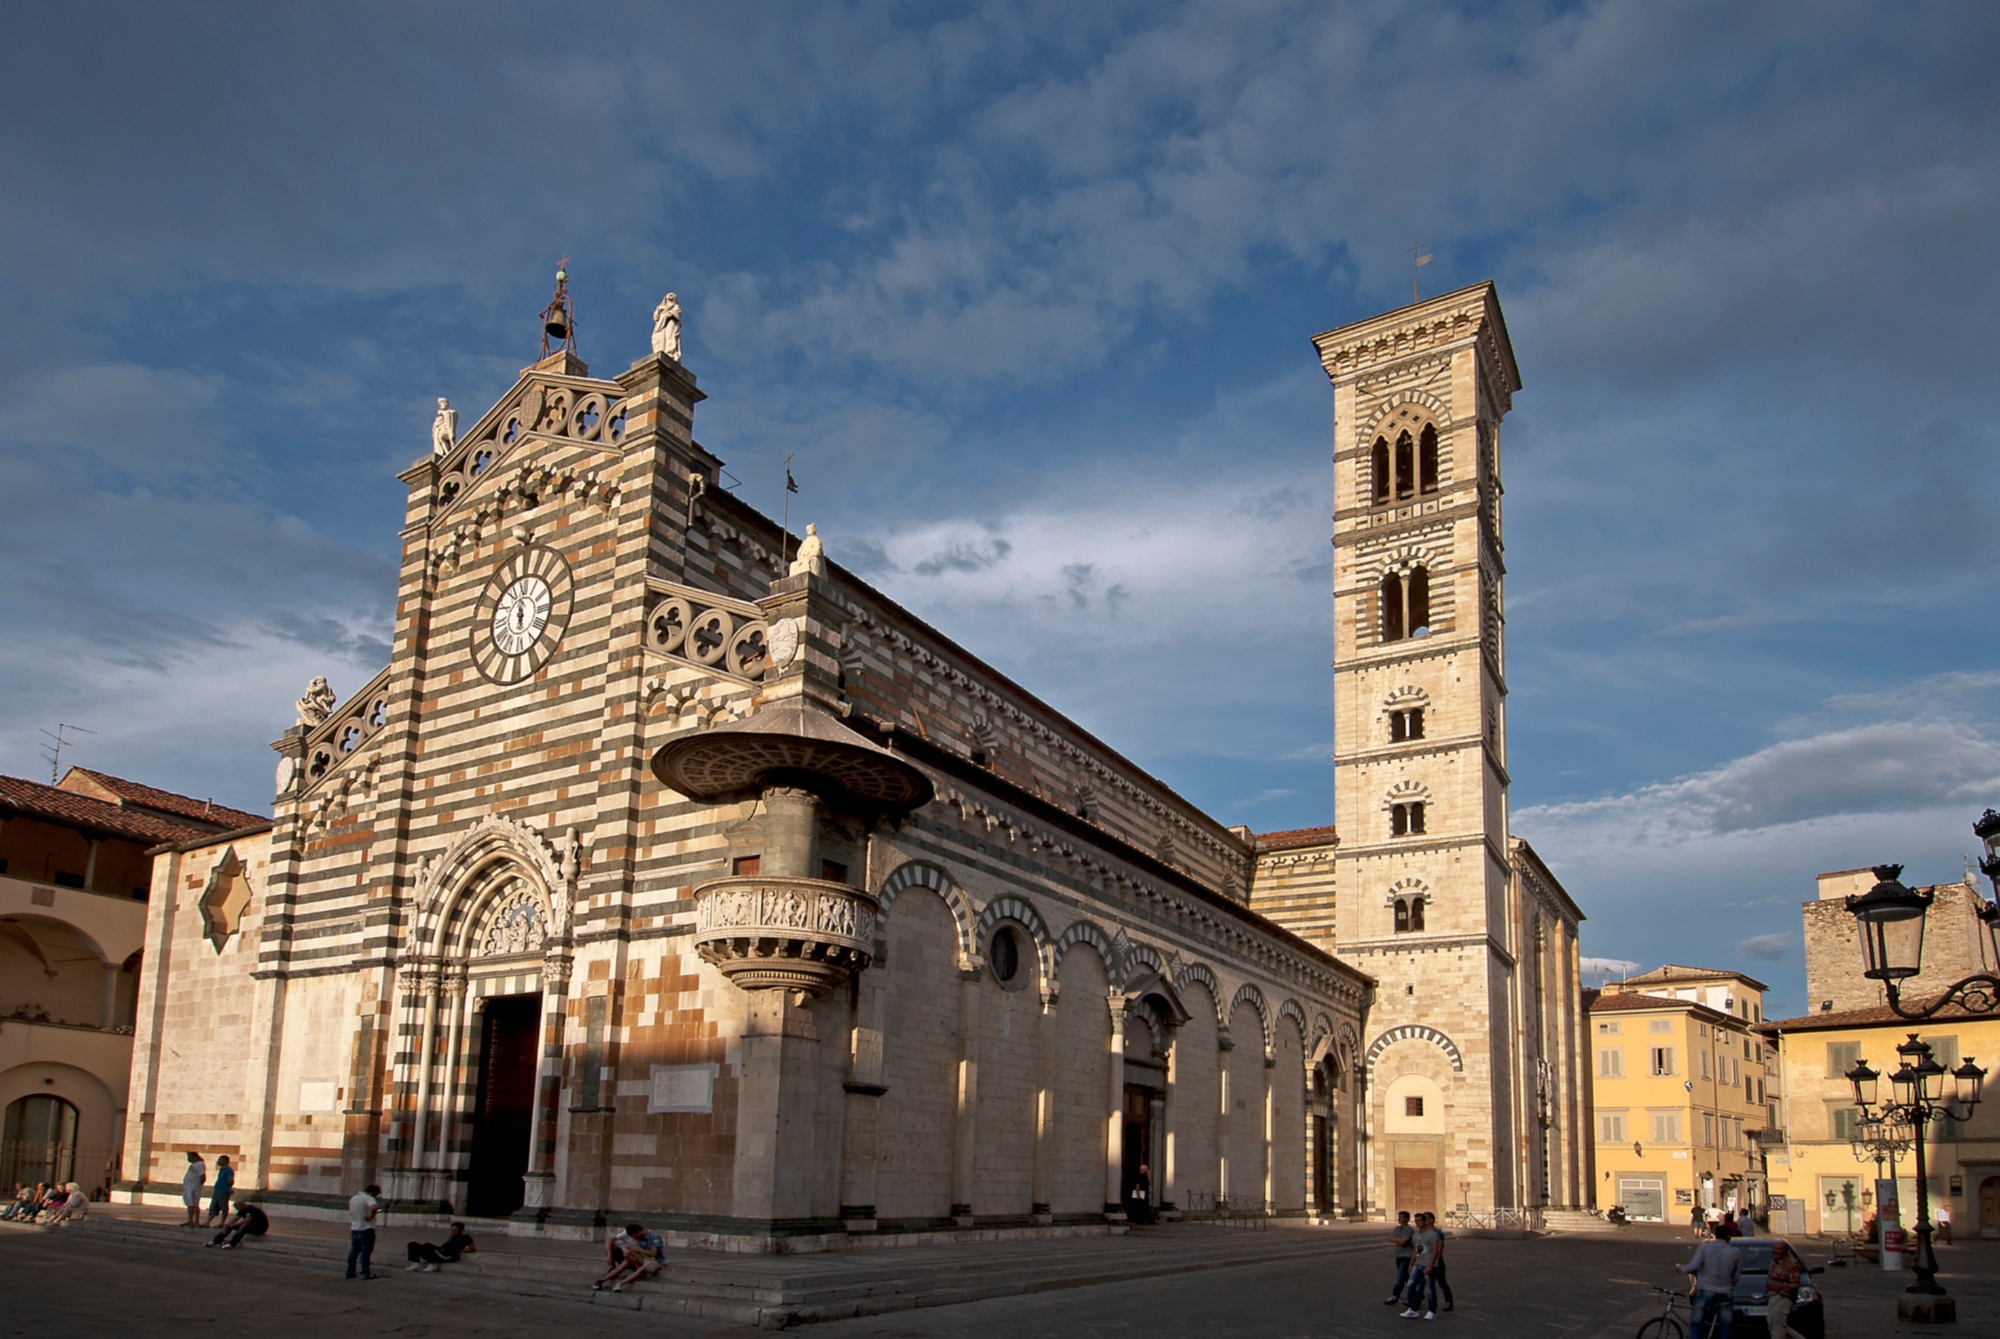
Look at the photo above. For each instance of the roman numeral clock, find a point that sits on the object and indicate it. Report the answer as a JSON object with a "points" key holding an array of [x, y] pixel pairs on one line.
{"points": [[521, 615]]}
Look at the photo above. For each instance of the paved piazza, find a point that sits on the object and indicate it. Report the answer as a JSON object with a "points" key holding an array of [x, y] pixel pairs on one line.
{"points": [[1576, 1287]]}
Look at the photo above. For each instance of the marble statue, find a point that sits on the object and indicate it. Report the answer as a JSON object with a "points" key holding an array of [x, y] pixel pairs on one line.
{"points": [[317, 704], [444, 428], [667, 327], [812, 555]]}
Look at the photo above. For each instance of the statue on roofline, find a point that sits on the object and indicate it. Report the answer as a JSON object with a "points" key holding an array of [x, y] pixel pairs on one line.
{"points": [[317, 704], [444, 428], [811, 556], [667, 327]]}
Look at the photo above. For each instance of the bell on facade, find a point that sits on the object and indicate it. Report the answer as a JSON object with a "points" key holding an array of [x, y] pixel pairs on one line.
{"points": [[556, 327]]}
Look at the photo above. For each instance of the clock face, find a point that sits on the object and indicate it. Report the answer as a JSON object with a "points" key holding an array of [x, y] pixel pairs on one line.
{"points": [[521, 615]]}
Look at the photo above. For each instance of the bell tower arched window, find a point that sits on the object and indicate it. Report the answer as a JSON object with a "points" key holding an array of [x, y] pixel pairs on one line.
{"points": [[1406, 605], [1379, 463], [1406, 466], [1427, 460], [1409, 914]]}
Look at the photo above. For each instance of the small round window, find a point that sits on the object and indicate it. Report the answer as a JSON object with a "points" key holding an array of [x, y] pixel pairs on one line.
{"points": [[1003, 952]]}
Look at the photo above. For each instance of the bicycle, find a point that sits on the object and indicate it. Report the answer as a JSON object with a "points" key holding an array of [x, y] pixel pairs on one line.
{"points": [[1667, 1325]]}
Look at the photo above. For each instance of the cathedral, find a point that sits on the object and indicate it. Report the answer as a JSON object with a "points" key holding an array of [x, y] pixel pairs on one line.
{"points": [[669, 870]]}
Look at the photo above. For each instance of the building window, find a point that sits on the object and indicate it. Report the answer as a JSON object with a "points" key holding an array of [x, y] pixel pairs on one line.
{"points": [[1611, 1064], [1427, 460], [1409, 914], [1406, 605], [1406, 819], [1844, 1122], [1406, 724], [1406, 466], [1666, 1127], [1381, 464], [746, 866], [1663, 1060], [1610, 1127], [1659, 1025], [1413, 1106], [1707, 1130], [1841, 1056], [1607, 1029]]}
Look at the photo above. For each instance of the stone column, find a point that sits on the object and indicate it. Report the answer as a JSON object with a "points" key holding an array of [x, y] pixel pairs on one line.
{"points": [[965, 1142], [1270, 1121], [1165, 1115], [1114, 1131], [427, 983], [791, 834], [1224, 1044], [454, 990], [538, 1195], [862, 1107], [1045, 1111]]}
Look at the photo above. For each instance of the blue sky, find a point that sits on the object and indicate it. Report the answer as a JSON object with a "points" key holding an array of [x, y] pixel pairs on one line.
{"points": [[1028, 289]]}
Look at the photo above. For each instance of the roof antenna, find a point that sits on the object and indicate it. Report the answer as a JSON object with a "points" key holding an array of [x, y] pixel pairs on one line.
{"points": [[57, 740]]}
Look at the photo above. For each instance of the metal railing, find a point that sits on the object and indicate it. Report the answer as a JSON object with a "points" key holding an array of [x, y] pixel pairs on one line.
{"points": [[1228, 1210], [1466, 1218], [28, 1161]]}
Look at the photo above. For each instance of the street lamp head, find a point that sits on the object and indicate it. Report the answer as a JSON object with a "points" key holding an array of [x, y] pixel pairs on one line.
{"points": [[1891, 919], [1987, 828], [1906, 1084], [1864, 1080], [1969, 1078], [1932, 1076]]}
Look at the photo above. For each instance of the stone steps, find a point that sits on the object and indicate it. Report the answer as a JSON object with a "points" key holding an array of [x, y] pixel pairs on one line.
{"points": [[777, 1291], [1577, 1220]]}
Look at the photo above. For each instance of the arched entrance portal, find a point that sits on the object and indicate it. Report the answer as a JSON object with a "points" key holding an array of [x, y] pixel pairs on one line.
{"points": [[38, 1141], [503, 1117]]}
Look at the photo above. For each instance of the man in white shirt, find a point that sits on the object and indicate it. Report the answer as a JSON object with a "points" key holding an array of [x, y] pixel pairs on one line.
{"points": [[361, 1211]]}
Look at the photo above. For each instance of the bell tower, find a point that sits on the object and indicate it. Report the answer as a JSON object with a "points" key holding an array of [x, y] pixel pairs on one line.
{"points": [[1423, 865]]}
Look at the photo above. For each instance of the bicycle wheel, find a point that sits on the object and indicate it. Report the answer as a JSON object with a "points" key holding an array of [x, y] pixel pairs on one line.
{"points": [[1661, 1327]]}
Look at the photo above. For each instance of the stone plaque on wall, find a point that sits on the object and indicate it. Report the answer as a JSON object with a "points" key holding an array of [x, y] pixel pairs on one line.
{"points": [[682, 1088]]}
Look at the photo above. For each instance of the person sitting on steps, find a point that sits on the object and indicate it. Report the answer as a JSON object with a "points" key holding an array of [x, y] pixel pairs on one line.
{"points": [[635, 1250], [426, 1258], [247, 1221]]}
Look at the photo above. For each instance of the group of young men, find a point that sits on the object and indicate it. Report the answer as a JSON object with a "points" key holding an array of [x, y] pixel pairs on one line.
{"points": [[1420, 1277]]}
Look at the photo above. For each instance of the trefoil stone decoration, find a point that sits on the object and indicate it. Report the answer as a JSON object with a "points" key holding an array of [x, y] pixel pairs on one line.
{"points": [[784, 934]]}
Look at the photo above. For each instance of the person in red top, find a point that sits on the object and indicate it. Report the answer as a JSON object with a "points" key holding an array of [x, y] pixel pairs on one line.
{"points": [[1782, 1288]]}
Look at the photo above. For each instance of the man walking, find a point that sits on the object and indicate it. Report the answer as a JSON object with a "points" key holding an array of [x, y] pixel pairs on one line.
{"points": [[1716, 1266], [225, 1181], [1403, 1237], [192, 1180], [361, 1211], [1697, 1222], [1430, 1249]]}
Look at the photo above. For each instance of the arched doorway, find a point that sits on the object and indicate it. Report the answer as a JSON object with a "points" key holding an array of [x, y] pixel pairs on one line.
{"points": [[38, 1141], [504, 1112]]}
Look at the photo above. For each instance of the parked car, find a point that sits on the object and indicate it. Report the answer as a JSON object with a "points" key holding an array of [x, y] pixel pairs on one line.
{"points": [[1808, 1315]]}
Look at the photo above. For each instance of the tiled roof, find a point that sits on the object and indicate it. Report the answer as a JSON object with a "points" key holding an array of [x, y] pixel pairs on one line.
{"points": [[1632, 1001], [136, 794], [1677, 972], [32, 799], [1278, 841], [1876, 1014]]}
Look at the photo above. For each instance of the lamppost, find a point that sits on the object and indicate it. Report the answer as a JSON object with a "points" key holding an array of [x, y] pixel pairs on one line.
{"points": [[1918, 1098], [1877, 1140], [1892, 933]]}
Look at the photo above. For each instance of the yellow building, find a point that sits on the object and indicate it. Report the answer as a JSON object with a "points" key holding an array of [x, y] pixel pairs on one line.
{"points": [[1824, 1185], [1679, 1092]]}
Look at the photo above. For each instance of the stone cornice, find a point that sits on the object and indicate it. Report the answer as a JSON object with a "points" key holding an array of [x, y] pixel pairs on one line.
{"points": [[1468, 317]]}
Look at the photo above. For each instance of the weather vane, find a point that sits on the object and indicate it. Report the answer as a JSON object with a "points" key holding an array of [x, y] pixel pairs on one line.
{"points": [[1417, 262], [558, 318]]}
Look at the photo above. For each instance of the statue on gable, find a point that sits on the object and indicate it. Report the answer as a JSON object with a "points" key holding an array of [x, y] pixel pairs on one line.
{"points": [[812, 555], [444, 428], [667, 327], [317, 704]]}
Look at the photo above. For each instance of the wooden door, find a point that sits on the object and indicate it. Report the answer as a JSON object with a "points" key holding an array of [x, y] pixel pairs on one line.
{"points": [[1989, 1207], [1416, 1190]]}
